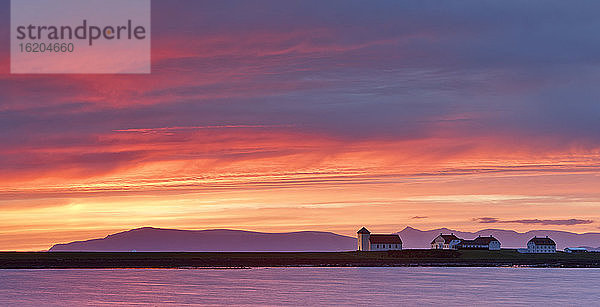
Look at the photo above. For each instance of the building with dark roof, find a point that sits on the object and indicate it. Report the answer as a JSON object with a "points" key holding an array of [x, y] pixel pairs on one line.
{"points": [[377, 242], [541, 245], [445, 241], [489, 243]]}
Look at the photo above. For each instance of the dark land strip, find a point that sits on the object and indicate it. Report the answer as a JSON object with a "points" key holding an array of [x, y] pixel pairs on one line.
{"points": [[448, 258]]}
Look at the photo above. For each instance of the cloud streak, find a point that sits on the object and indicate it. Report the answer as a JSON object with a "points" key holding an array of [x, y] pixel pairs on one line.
{"points": [[167, 129], [559, 222]]}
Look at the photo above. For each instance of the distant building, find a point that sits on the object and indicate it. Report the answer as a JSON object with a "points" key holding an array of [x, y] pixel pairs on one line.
{"points": [[541, 245], [576, 250], [489, 243], [445, 242], [377, 242]]}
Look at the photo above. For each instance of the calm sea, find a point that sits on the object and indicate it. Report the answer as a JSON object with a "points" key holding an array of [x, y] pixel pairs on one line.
{"points": [[302, 287]]}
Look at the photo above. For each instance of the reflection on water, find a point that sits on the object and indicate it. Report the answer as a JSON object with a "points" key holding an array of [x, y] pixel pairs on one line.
{"points": [[301, 286]]}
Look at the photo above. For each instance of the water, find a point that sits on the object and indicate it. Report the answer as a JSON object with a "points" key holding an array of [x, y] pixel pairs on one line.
{"points": [[302, 287]]}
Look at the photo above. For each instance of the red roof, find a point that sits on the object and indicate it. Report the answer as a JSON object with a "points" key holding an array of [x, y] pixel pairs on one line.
{"points": [[542, 241], [485, 240], [479, 241], [385, 239]]}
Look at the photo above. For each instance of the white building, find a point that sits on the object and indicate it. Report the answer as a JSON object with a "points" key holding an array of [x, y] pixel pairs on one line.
{"points": [[377, 242], [541, 245], [445, 242], [576, 250], [489, 243]]}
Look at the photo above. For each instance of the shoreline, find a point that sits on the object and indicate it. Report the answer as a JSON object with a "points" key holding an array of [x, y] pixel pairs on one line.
{"points": [[245, 260]]}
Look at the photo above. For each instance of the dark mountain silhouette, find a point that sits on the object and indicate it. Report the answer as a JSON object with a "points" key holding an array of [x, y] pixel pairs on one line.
{"points": [[222, 240], [414, 238], [219, 240]]}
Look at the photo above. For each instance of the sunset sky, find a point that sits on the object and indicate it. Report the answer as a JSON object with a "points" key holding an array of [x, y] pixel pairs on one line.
{"points": [[314, 115]]}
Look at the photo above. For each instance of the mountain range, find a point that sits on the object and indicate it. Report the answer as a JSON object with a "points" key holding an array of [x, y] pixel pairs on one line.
{"points": [[150, 239], [224, 240]]}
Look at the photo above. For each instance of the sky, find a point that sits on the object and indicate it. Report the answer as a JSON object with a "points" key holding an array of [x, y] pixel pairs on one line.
{"points": [[314, 115]]}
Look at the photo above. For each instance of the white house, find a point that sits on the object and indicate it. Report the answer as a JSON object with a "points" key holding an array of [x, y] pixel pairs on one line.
{"points": [[541, 245], [489, 243], [576, 250], [445, 242], [377, 242]]}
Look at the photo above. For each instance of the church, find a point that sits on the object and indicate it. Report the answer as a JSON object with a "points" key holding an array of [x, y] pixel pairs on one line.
{"points": [[377, 242]]}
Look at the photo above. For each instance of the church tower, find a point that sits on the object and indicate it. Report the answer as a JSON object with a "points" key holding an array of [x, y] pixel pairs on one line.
{"points": [[363, 239]]}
